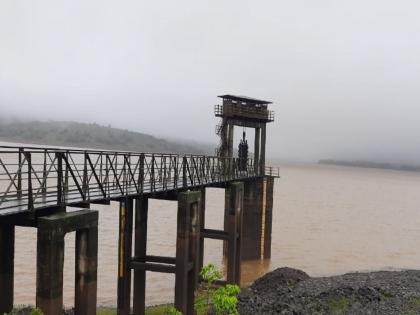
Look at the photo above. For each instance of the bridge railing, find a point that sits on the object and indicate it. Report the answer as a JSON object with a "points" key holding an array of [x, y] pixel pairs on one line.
{"points": [[33, 178], [272, 171]]}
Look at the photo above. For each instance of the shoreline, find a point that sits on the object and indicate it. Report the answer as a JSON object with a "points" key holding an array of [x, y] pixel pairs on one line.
{"points": [[292, 291]]}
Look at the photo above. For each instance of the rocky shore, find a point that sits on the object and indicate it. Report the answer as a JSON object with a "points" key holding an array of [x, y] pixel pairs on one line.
{"points": [[291, 291]]}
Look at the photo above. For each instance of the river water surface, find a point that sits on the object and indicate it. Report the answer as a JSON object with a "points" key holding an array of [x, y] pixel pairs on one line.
{"points": [[326, 220]]}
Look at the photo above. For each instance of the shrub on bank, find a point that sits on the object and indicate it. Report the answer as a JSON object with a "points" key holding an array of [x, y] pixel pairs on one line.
{"points": [[211, 299], [26, 311]]}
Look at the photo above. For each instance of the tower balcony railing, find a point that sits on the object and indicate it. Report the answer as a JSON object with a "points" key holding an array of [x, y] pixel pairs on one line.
{"points": [[244, 111], [272, 171]]}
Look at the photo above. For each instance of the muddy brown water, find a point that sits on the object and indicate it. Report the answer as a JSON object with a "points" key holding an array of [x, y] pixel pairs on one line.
{"points": [[327, 220]]}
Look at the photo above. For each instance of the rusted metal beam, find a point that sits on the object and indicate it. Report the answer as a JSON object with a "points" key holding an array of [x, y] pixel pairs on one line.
{"points": [[124, 256]]}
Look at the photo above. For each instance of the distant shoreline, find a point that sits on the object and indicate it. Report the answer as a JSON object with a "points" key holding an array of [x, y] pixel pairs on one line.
{"points": [[369, 164]]}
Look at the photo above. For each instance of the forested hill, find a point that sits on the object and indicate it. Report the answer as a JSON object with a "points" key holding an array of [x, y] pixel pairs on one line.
{"points": [[90, 136]]}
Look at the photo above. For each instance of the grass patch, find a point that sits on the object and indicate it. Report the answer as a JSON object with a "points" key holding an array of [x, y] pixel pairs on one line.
{"points": [[158, 309], [151, 310], [339, 305], [412, 306], [414, 301], [106, 311]]}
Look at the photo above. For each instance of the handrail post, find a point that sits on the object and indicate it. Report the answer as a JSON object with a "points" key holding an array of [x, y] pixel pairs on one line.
{"points": [[141, 173], [19, 179], [66, 175], [44, 174], [184, 172], [165, 184], [176, 174], [152, 175], [30, 193], [59, 156], [85, 176]]}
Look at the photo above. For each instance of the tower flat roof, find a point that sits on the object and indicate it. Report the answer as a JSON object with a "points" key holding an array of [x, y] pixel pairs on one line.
{"points": [[244, 99]]}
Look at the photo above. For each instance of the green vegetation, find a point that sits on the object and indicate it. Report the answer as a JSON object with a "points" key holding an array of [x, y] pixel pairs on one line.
{"points": [[173, 311], [36, 311], [339, 305], [208, 274], [106, 311], [225, 300], [412, 306], [33, 311], [90, 136], [414, 301]]}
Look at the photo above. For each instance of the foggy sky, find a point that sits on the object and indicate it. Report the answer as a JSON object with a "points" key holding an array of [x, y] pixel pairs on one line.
{"points": [[343, 75]]}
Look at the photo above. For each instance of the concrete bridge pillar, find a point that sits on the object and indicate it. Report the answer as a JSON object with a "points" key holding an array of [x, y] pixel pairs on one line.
{"points": [[202, 227], [50, 260], [233, 226], [140, 237], [257, 218], [86, 270], [187, 250], [7, 253], [185, 265]]}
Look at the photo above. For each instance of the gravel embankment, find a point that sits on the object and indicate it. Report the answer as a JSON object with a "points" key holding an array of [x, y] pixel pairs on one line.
{"points": [[291, 291]]}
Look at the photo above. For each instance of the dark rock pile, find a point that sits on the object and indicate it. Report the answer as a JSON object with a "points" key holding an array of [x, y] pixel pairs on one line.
{"points": [[291, 291]]}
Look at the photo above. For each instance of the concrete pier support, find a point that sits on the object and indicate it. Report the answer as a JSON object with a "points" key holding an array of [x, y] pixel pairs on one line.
{"points": [[86, 271], [269, 193], [257, 150], [202, 227], [185, 265], [50, 260], [233, 226], [262, 153], [7, 253], [140, 246], [124, 256], [187, 250], [257, 218]]}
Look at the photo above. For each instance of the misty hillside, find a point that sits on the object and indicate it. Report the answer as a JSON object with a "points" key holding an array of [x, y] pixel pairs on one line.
{"points": [[90, 136]]}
